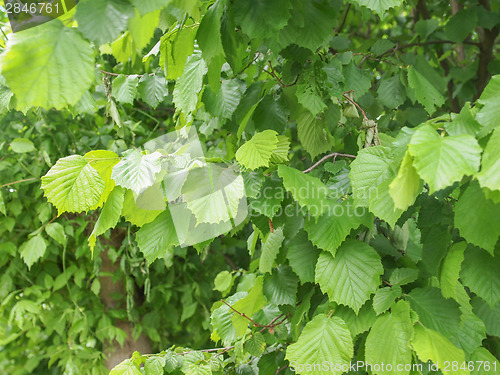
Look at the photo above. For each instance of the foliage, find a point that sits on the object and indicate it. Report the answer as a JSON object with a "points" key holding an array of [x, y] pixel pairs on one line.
{"points": [[367, 136]]}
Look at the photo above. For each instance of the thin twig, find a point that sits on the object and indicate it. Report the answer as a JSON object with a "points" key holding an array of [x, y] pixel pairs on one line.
{"points": [[271, 226], [356, 104], [280, 369], [426, 43], [273, 74], [126, 75], [16, 182], [324, 158], [339, 28], [250, 63]]}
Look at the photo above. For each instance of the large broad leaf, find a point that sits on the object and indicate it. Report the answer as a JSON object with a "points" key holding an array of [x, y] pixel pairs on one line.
{"points": [[489, 114], [323, 339], [441, 161], [302, 256], [280, 288], [103, 162], [330, 229], [261, 18], [391, 92], [396, 329], [352, 276], [270, 249], [358, 322], [208, 35], [72, 185], [221, 320], [433, 346], [313, 134], [489, 316], [223, 103], [102, 21], [424, 91], [142, 28], [137, 171], [480, 274], [125, 88], [32, 250], [175, 47], [372, 166], [489, 176], [153, 89], [406, 186], [109, 216], [257, 151], [189, 84], [127, 367], [157, 237], [48, 66], [137, 215], [478, 218], [249, 305], [379, 6], [309, 191], [490, 363], [310, 25], [434, 311], [471, 333], [384, 298], [450, 271]]}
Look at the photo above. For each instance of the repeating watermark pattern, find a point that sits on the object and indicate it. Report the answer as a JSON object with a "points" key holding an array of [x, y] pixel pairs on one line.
{"points": [[25, 14], [205, 199]]}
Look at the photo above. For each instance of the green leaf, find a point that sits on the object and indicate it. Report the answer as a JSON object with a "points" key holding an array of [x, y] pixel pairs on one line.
{"points": [[310, 98], [127, 367], [460, 25], [441, 161], [189, 84], [154, 365], [450, 271], [329, 230], [261, 18], [257, 151], [157, 237], [280, 153], [433, 346], [480, 274], [280, 288], [256, 344], [489, 316], [323, 339], [32, 250], [22, 145], [435, 312], [478, 218], [391, 92], [313, 134], [102, 21], [2, 205], [463, 123], [268, 201], [56, 232], [489, 114], [137, 215], [382, 205], [405, 188], [224, 103], [221, 320], [489, 176], [109, 216], [153, 89], [302, 256], [471, 332], [271, 113], [356, 79], [352, 275], [358, 322], [397, 330], [384, 298], [403, 276], [146, 6], [424, 91], [270, 249], [137, 171], [371, 167], [142, 28], [103, 162], [310, 24], [223, 281], [72, 185], [488, 361], [308, 191], [175, 47], [208, 35], [379, 6], [48, 66], [248, 305], [125, 88]]}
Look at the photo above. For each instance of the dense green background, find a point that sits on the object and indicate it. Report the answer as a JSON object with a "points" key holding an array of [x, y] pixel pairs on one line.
{"points": [[402, 91]]}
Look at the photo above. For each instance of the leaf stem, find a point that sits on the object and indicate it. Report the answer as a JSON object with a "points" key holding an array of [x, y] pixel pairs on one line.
{"points": [[324, 158]]}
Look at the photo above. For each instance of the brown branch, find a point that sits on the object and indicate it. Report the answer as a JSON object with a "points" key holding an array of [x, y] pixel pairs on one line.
{"points": [[324, 158], [271, 226], [426, 43], [16, 182], [121, 74], [339, 28], [230, 262], [273, 74], [356, 104], [280, 369], [250, 63]]}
